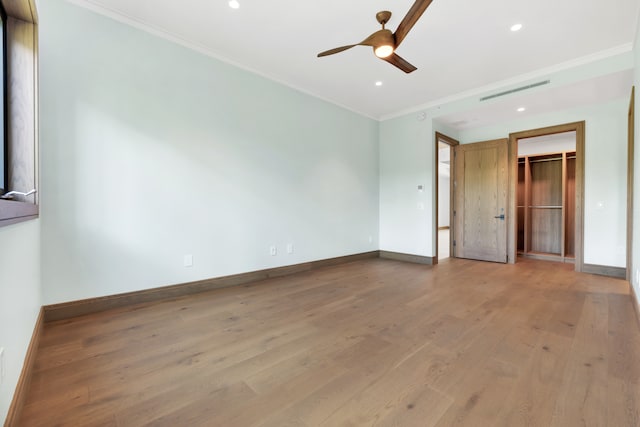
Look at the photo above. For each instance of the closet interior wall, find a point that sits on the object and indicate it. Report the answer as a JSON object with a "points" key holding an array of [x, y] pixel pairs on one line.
{"points": [[546, 206]]}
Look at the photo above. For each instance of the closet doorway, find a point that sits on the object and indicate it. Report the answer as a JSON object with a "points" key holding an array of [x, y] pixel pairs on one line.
{"points": [[547, 193], [546, 197]]}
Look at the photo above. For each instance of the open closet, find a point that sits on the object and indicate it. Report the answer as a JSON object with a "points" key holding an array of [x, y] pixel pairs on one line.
{"points": [[546, 197]]}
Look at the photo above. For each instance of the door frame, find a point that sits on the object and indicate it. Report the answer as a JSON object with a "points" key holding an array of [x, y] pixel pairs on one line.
{"points": [[630, 178], [512, 224], [451, 143]]}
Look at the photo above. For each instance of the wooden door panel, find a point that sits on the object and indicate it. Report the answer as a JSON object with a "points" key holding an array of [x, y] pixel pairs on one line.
{"points": [[480, 196]]}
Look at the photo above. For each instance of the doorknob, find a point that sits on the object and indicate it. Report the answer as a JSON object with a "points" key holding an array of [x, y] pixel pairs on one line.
{"points": [[500, 216]]}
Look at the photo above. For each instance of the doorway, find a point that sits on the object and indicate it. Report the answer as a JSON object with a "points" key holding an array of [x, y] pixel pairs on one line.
{"points": [[546, 197], [444, 191], [551, 212]]}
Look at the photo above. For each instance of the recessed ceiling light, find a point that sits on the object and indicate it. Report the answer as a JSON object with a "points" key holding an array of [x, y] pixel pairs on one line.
{"points": [[521, 109], [378, 83], [233, 4], [516, 27]]}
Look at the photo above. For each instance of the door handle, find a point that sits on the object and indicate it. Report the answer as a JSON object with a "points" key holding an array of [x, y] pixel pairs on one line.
{"points": [[500, 217]]}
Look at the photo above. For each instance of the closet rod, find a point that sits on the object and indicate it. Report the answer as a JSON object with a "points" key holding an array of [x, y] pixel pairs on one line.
{"points": [[545, 160]]}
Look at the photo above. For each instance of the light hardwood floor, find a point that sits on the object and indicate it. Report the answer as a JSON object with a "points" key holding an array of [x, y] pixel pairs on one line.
{"points": [[373, 342]]}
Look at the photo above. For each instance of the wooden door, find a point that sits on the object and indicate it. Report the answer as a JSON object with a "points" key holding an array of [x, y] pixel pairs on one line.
{"points": [[480, 201]]}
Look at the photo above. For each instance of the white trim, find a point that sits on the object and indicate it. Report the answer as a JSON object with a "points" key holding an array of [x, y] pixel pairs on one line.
{"points": [[543, 72], [165, 34]]}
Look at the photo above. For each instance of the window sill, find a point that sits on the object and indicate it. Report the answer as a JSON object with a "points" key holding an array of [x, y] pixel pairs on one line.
{"points": [[12, 212]]}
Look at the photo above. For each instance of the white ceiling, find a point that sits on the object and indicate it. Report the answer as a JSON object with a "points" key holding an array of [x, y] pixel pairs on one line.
{"points": [[586, 92], [457, 45]]}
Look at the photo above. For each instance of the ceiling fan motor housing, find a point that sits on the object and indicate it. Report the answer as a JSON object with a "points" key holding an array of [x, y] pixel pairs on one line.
{"points": [[383, 17]]}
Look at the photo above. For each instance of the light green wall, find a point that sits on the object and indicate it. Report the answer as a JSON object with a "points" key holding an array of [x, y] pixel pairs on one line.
{"points": [[20, 300], [406, 162], [152, 151], [635, 270]]}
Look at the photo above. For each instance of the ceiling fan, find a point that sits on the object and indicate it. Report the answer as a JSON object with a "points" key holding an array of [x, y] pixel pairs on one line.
{"points": [[384, 42]]}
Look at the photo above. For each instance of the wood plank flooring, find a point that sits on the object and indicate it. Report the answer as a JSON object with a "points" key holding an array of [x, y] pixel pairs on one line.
{"points": [[373, 342]]}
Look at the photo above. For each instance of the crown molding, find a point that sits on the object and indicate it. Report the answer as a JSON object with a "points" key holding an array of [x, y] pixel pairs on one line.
{"points": [[197, 47], [518, 80]]}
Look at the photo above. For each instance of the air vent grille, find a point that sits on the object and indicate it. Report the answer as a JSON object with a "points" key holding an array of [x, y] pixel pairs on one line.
{"points": [[518, 89]]}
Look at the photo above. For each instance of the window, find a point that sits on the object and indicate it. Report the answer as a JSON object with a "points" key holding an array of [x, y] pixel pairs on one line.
{"points": [[18, 156]]}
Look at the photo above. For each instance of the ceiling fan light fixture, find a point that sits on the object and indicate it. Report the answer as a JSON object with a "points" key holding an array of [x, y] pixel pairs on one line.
{"points": [[383, 51], [384, 42]]}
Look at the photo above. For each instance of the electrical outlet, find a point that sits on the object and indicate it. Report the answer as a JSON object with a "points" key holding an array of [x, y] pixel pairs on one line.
{"points": [[370, 239], [188, 260], [637, 276], [290, 248], [1, 365], [273, 251]]}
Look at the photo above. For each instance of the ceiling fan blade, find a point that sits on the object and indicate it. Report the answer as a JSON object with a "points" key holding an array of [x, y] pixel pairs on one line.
{"points": [[374, 39], [410, 19], [399, 62], [336, 50]]}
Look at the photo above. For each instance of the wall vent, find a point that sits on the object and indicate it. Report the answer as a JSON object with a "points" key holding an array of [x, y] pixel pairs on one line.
{"points": [[518, 89]]}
